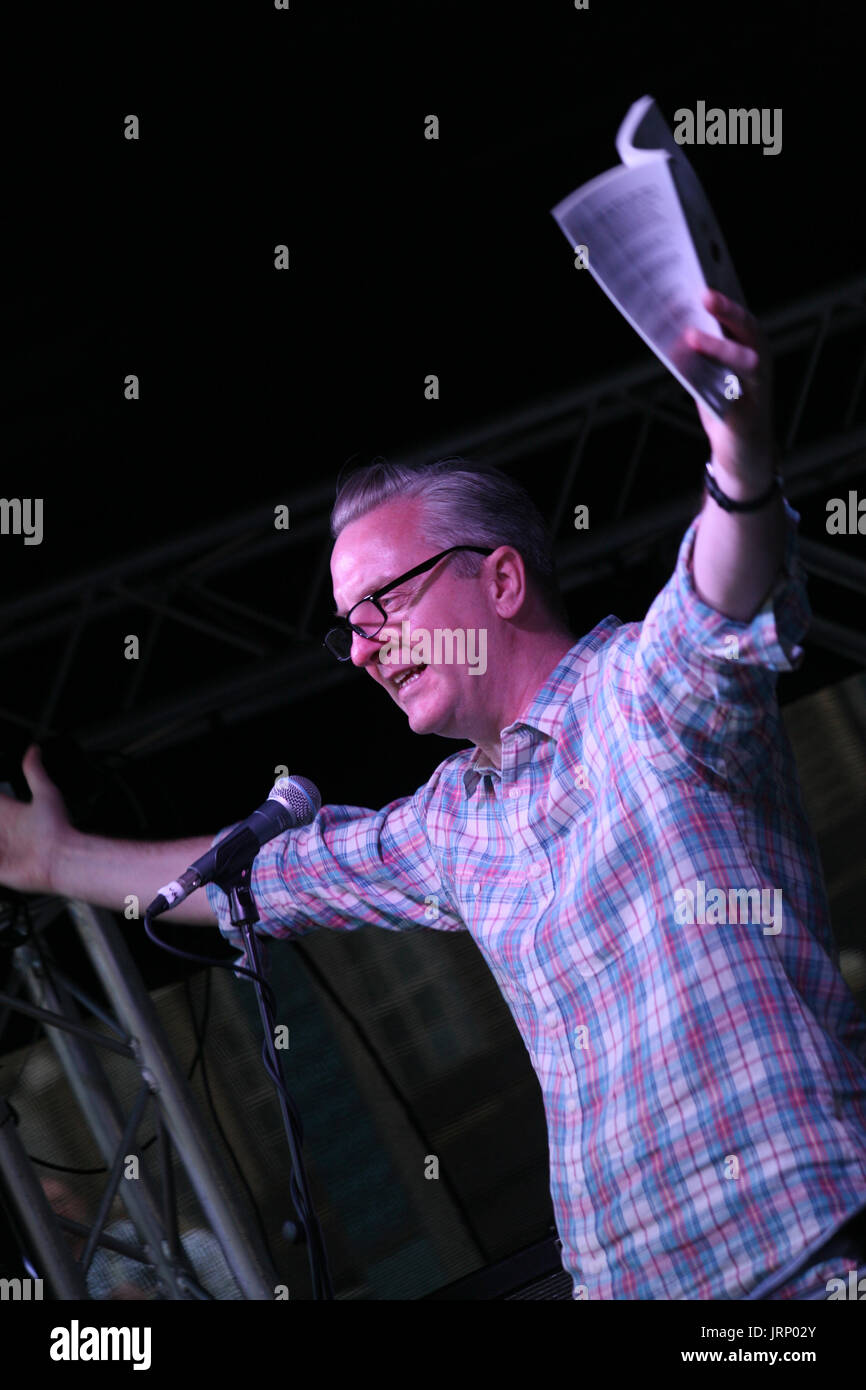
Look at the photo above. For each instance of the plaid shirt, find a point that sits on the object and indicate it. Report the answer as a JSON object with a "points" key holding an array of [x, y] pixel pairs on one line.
{"points": [[701, 1060]]}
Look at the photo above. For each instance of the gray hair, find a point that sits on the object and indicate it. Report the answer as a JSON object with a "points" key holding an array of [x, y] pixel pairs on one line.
{"points": [[465, 503]]}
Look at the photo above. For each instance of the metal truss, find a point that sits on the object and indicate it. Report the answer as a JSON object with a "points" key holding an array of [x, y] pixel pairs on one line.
{"points": [[135, 1033], [273, 660]]}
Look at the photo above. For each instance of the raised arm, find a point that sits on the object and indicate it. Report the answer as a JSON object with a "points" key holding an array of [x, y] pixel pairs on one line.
{"points": [[737, 555]]}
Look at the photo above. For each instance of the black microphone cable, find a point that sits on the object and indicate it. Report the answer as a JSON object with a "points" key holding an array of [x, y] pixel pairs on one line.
{"points": [[307, 1219]]}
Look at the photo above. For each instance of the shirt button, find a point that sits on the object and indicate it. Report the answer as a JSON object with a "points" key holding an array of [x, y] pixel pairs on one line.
{"points": [[535, 870], [476, 889]]}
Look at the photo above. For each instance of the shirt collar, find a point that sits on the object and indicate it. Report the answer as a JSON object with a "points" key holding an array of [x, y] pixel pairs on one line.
{"points": [[545, 712]]}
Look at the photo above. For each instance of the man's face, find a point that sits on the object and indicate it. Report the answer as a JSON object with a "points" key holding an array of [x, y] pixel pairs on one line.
{"points": [[444, 697]]}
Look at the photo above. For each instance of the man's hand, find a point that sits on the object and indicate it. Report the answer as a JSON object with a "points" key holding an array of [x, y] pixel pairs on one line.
{"points": [[41, 852], [31, 833], [743, 451]]}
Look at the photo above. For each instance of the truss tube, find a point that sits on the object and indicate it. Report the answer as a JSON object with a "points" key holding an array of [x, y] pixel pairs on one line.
{"points": [[104, 1117], [836, 638], [240, 1242], [79, 1030], [577, 562], [127, 1145], [50, 1248]]}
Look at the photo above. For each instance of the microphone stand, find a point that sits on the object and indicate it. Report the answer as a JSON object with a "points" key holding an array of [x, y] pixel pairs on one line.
{"points": [[235, 883]]}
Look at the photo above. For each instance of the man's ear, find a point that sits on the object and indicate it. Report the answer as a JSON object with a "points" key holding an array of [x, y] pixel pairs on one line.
{"points": [[508, 582]]}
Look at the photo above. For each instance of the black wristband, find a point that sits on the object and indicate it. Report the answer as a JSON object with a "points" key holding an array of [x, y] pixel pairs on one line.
{"points": [[728, 502]]}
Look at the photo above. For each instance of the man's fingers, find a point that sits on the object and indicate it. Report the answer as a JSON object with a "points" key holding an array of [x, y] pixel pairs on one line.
{"points": [[734, 316], [33, 767], [737, 355]]}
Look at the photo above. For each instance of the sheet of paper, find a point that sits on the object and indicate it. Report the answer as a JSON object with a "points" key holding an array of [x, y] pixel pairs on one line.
{"points": [[641, 252]]}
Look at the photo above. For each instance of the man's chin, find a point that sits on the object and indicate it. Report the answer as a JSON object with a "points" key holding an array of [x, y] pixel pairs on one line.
{"points": [[423, 714], [420, 723], [426, 721]]}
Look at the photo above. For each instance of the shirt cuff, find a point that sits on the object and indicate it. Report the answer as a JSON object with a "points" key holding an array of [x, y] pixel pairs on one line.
{"points": [[771, 639]]}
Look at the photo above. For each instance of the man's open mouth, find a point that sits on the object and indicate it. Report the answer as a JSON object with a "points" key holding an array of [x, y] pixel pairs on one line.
{"points": [[407, 679]]}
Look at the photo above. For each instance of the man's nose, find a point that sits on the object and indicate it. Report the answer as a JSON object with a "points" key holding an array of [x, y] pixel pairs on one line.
{"points": [[365, 650]]}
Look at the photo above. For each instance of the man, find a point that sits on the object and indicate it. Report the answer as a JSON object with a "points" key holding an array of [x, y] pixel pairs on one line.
{"points": [[628, 798]]}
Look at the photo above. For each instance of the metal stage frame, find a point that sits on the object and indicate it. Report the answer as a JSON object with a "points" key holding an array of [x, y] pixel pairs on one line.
{"points": [[134, 1032]]}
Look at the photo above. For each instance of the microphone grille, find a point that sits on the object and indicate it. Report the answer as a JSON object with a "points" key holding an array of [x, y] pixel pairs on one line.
{"points": [[297, 793]]}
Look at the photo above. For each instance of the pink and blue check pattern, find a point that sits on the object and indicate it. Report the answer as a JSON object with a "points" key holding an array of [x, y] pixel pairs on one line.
{"points": [[704, 1085]]}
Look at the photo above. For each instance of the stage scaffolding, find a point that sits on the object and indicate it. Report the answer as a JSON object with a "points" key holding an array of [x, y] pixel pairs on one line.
{"points": [[133, 1030]]}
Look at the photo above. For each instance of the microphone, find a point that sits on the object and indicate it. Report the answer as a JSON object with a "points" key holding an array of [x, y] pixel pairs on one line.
{"points": [[293, 802]]}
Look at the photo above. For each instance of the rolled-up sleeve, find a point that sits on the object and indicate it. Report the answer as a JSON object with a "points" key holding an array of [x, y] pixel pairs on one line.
{"points": [[351, 867], [704, 683]]}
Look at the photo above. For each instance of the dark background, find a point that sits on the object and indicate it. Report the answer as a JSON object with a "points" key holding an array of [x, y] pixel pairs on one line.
{"points": [[408, 257]]}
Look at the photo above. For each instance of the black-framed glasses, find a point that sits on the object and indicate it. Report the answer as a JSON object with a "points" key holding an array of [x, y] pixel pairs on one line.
{"points": [[367, 617]]}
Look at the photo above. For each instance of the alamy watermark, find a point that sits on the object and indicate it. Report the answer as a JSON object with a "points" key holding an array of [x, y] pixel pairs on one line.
{"points": [[20, 1290], [846, 520], [22, 516], [77, 1343], [444, 646], [717, 908], [854, 1290], [733, 127]]}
